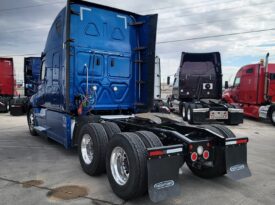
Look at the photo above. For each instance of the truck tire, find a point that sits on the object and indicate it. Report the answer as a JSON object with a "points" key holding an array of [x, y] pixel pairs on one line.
{"points": [[92, 144], [126, 165], [3, 107], [213, 129], [180, 107], [184, 111], [272, 115], [219, 162], [7, 108], [31, 123], [149, 139], [227, 133], [111, 128], [190, 113]]}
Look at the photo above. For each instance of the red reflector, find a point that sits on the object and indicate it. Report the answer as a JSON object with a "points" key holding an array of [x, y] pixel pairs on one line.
{"points": [[242, 141], [205, 154], [80, 109], [194, 156], [156, 153], [190, 147]]}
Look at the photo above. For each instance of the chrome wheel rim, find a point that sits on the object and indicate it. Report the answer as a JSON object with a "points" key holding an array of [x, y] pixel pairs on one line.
{"points": [[119, 166], [189, 114], [273, 116], [87, 150], [183, 112], [31, 121]]}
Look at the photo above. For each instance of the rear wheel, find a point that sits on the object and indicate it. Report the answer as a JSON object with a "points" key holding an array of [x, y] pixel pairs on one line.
{"points": [[272, 115], [111, 128], [126, 165], [184, 112], [8, 106], [227, 133], [5, 108], [190, 114], [92, 143], [218, 168], [149, 139], [31, 122]]}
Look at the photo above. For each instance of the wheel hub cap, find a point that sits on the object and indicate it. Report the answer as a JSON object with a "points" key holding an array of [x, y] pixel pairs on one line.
{"points": [[183, 112], [119, 165], [87, 150], [189, 114], [273, 116], [31, 121]]}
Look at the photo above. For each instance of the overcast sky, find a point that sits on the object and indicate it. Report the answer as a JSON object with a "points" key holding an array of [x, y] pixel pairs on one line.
{"points": [[25, 24]]}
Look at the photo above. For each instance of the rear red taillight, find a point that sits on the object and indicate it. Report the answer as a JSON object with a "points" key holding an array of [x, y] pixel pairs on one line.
{"points": [[156, 153], [237, 141], [194, 156], [205, 154], [243, 141]]}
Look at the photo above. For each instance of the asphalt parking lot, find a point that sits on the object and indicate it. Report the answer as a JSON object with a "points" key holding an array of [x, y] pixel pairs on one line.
{"points": [[24, 158]]}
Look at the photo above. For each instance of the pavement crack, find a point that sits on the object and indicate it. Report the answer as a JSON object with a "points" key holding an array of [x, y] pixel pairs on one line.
{"points": [[9, 180]]}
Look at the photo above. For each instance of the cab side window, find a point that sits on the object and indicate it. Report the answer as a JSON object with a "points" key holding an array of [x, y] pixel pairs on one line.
{"points": [[237, 81], [176, 81], [249, 71]]}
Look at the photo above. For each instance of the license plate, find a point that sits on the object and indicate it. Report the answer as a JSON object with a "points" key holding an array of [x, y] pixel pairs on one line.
{"points": [[218, 115]]}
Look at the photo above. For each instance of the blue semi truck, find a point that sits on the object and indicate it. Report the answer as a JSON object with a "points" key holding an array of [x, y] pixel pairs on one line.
{"points": [[97, 72]]}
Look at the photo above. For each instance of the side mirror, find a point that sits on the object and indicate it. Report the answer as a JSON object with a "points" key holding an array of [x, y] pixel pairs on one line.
{"points": [[42, 55], [168, 80], [226, 85]]}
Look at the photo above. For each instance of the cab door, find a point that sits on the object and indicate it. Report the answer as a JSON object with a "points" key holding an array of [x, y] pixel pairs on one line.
{"points": [[248, 85]]}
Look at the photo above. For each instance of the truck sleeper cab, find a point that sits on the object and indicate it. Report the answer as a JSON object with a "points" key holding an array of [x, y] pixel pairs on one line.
{"points": [[97, 72], [6, 83], [32, 67], [197, 90], [250, 93]]}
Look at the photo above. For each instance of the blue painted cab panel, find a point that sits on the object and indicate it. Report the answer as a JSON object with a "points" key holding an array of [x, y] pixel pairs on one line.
{"points": [[102, 49]]}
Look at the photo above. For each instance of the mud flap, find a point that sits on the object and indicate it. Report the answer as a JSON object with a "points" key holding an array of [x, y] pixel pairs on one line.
{"points": [[236, 159], [163, 172]]}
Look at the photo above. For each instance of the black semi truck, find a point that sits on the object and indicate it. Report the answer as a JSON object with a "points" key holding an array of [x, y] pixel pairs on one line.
{"points": [[92, 86], [32, 68], [197, 90]]}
